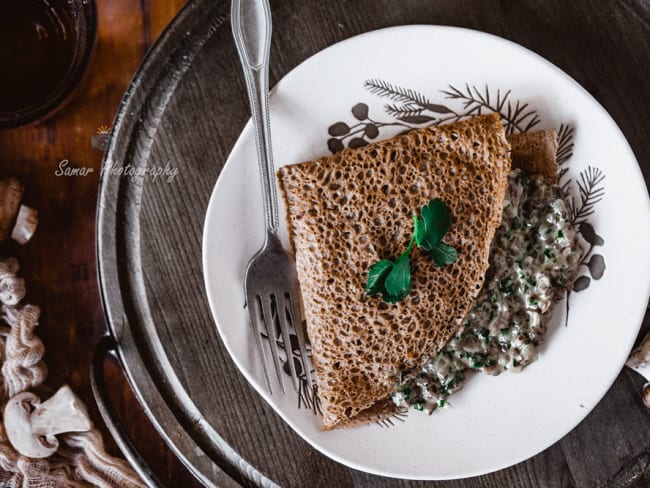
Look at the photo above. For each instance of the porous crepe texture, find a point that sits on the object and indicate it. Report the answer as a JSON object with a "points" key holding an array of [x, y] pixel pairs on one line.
{"points": [[347, 211], [535, 152]]}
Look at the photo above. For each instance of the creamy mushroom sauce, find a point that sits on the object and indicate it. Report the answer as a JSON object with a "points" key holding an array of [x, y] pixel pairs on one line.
{"points": [[533, 258]]}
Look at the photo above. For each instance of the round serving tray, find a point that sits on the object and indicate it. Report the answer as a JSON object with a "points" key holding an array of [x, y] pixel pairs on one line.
{"points": [[179, 120]]}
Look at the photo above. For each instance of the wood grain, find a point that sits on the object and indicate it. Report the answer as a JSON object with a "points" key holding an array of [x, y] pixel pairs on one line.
{"points": [[195, 129], [59, 264], [604, 45]]}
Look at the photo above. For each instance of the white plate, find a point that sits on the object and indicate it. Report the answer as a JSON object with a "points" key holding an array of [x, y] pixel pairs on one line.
{"points": [[494, 421]]}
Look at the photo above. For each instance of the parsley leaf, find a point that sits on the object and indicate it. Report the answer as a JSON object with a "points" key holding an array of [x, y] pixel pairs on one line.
{"points": [[377, 276], [393, 278], [443, 254], [398, 281], [434, 224]]}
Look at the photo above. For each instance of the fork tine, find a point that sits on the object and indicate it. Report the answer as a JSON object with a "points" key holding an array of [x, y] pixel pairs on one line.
{"points": [[297, 319], [285, 324], [255, 316], [273, 342]]}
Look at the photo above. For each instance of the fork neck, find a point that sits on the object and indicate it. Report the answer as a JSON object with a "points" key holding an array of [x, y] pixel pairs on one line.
{"points": [[251, 25], [272, 240], [257, 80]]}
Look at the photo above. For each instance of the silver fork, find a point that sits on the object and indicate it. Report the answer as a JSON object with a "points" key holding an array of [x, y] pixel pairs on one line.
{"points": [[271, 284]]}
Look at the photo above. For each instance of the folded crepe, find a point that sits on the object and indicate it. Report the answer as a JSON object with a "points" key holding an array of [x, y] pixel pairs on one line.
{"points": [[535, 152], [349, 210]]}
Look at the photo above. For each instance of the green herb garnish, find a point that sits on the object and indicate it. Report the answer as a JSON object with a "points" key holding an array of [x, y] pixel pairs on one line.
{"points": [[431, 228], [393, 278], [505, 286], [549, 254]]}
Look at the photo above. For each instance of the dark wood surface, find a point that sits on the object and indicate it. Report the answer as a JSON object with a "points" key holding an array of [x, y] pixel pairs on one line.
{"points": [[59, 263], [196, 125], [604, 45]]}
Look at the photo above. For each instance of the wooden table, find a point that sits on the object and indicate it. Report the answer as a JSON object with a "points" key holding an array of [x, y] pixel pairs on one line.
{"points": [[603, 45], [59, 263]]}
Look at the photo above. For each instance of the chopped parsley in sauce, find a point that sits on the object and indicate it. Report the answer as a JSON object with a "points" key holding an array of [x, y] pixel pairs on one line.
{"points": [[533, 258]]}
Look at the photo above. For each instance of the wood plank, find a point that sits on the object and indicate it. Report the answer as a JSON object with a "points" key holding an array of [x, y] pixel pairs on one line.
{"points": [[603, 45], [59, 264], [252, 424]]}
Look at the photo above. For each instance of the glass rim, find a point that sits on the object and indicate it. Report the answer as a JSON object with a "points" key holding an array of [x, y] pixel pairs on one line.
{"points": [[86, 32]]}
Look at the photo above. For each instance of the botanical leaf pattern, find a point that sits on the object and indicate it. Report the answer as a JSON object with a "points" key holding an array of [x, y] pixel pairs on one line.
{"points": [[517, 116], [596, 266], [395, 93], [411, 109], [589, 234], [564, 144], [590, 192]]}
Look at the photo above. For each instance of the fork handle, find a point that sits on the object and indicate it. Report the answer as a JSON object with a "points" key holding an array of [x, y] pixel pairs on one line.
{"points": [[251, 27]]}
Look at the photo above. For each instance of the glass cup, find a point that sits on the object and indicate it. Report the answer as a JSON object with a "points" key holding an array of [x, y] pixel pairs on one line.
{"points": [[45, 48]]}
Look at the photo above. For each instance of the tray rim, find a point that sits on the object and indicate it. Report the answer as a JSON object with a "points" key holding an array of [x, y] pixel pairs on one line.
{"points": [[178, 49]]}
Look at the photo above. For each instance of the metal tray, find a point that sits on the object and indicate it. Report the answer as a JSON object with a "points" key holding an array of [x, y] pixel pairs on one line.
{"points": [[183, 111]]}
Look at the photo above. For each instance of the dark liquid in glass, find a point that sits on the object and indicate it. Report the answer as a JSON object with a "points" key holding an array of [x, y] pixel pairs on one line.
{"points": [[37, 45]]}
